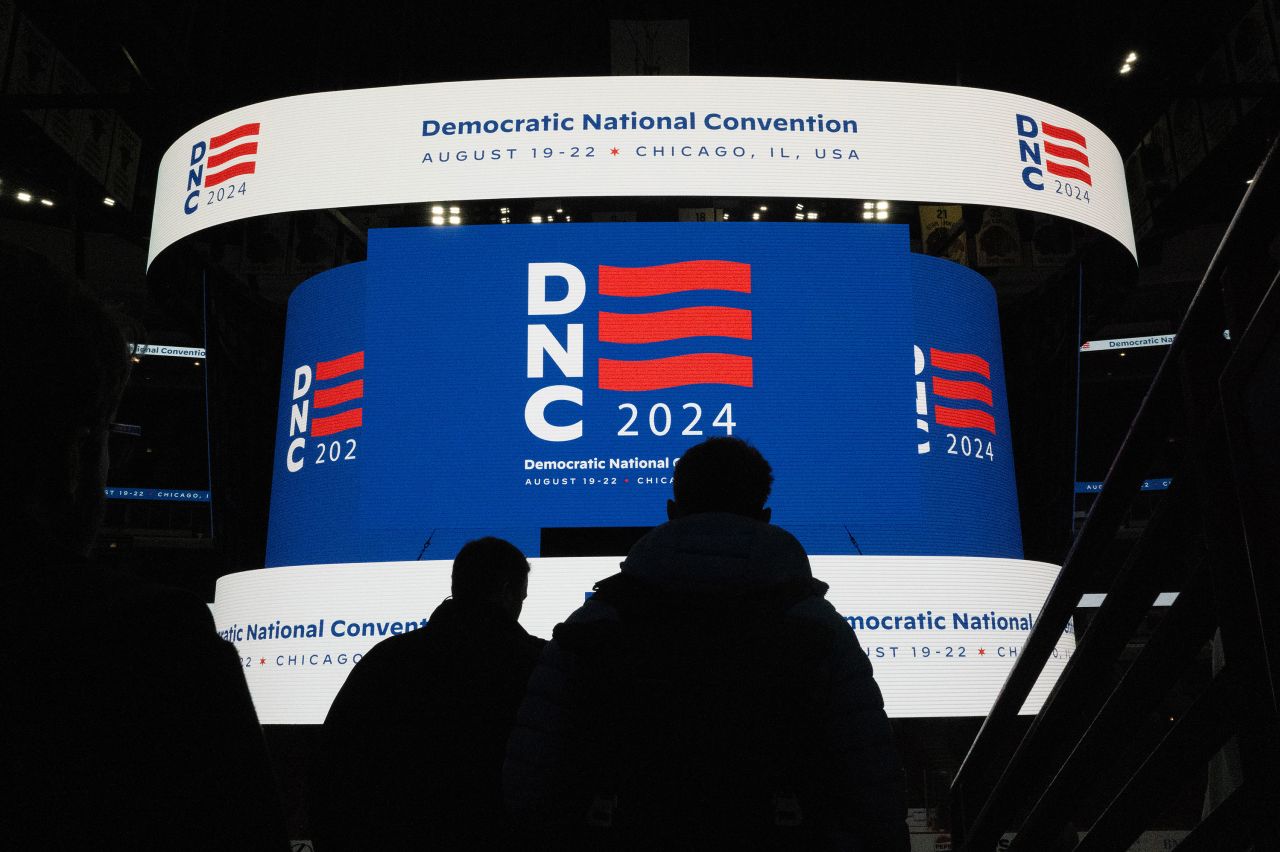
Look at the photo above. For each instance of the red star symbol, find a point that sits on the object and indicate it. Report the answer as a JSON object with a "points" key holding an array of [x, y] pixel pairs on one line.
{"points": [[624, 480], [613, 152], [982, 652], [262, 661]]}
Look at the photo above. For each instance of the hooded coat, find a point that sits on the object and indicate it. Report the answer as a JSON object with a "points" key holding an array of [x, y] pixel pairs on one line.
{"points": [[732, 563]]}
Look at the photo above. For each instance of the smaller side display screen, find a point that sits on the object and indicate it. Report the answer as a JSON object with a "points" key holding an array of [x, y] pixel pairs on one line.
{"points": [[159, 444]]}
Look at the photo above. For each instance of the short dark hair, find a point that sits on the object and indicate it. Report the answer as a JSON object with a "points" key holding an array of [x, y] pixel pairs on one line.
{"points": [[486, 566], [723, 475]]}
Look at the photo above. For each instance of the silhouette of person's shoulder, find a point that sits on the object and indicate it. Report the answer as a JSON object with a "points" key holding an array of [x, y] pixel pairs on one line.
{"points": [[717, 550], [131, 717], [460, 644], [413, 743]]}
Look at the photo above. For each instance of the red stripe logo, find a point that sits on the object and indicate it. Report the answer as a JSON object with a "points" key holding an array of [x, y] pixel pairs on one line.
{"points": [[329, 397], [960, 386], [1068, 172], [1062, 152], [673, 325], [333, 396], [704, 368], [964, 418], [960, 362], [1073, 150], [675, 278], [322, 426], [236, 151], [707, 277], [1063, 133], [326, 370], [950, 388]]}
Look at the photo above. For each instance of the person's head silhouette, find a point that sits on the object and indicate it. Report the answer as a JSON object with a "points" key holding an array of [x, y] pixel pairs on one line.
{"points": [[493, 571], [66, 363], [722, 475]]}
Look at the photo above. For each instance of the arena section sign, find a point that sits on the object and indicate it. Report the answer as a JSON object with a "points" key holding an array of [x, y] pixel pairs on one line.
{"points": [[942, 632], [641, 136]]}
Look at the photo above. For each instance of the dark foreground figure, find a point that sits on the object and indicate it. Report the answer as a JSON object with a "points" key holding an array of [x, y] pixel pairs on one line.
{"points": [[413, 744], [127, 722], [708, 697]]}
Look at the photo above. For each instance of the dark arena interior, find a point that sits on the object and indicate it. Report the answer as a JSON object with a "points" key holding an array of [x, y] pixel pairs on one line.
{"points": [[1137, 352]]}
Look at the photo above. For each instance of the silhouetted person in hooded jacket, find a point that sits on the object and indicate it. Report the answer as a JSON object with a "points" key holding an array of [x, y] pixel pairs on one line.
{"points": [[708, 696], [413, 744], [126, 723]]}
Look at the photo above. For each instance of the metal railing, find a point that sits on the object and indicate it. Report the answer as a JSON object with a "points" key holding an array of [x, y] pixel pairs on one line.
{"points": [[1217, 531]]}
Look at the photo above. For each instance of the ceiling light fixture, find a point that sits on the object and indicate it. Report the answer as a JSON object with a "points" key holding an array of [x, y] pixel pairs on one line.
{"points": [[110, 202], [24, 197], [46, 202]]}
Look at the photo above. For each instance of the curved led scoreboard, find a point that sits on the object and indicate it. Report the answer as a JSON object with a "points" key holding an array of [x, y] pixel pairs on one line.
{"points": [[510, 379]]}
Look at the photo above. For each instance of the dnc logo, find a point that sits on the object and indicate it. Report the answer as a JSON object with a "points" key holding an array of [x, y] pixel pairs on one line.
{"points": [[1060, 151], [960, 385], [216, 161], [334, 395], [703, 326]]}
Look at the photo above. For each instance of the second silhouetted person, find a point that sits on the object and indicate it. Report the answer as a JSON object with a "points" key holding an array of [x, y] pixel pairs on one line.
{"points": [[413, 744]]}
